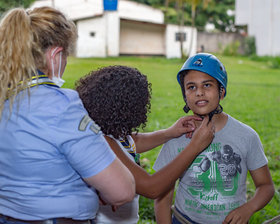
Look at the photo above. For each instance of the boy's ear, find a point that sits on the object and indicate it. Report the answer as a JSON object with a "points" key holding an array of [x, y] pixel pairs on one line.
{"points": [[222, 93]]}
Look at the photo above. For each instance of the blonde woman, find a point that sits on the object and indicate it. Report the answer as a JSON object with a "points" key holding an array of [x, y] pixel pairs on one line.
{"points": [[54, 160]]}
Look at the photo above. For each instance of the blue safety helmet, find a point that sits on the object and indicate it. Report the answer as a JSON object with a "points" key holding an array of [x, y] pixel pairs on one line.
{"points": [[208, 64]]}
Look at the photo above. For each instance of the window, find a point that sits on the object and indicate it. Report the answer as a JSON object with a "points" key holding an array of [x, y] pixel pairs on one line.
{"points": [[180, 35]]}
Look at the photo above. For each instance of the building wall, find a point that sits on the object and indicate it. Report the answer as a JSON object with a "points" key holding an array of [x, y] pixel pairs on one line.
{"points": [[101, 34], [141, 38], [74, 9], [112, 33], [216, 42], [243, 11], [262, 18], [88, 45], [135, 11], [173, 46]]}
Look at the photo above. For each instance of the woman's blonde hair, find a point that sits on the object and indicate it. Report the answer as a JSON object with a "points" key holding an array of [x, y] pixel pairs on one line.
{"points": [[24, 38]]}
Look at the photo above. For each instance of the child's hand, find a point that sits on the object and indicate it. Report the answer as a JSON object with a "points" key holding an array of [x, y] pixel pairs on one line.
{"points": [[184, 125], [240, 215], [204, 134]]}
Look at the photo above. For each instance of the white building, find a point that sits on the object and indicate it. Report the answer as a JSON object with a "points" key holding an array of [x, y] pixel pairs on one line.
{"points": [[133, 29], [262, 18]]}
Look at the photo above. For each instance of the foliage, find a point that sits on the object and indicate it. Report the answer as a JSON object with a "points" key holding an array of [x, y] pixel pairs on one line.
{"points": [[250, 46], [271, 62], [274, 63], [253, 98], [146, 209], [8, 4], [215, 13], [231, 49], [154, 3]]}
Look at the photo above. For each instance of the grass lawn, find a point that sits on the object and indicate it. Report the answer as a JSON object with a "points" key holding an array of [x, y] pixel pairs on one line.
{"points": [[253, 97]]}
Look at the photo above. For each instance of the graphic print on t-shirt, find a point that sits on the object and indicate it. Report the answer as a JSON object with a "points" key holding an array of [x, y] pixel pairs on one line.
{"points": [[214, 177]]}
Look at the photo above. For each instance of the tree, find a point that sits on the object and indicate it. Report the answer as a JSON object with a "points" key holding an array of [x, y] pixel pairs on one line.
{"points": [[216, 12], [8, 4], [194, 4], [181, 5], [219, 13]]}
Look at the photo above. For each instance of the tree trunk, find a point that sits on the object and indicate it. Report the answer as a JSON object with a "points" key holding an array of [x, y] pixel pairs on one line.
{"points": [[181, 31], [192, 30]]}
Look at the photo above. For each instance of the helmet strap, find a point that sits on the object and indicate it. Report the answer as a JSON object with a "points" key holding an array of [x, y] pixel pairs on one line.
{"points": [[186, 108], [218, 110]]}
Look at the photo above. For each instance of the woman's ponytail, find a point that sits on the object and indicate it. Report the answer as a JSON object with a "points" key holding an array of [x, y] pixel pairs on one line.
{"points": [[16, 59]]}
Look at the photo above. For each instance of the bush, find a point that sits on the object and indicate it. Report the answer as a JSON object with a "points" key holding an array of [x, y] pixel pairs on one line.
{"points": [[231, 49], [272, 62], [250, 46], [270, 211], [146, 209]]}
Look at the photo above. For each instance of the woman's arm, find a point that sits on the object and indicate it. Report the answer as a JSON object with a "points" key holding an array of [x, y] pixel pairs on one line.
{"points": [[147, 141], [152, 186], [264, 193], [115, 183]]}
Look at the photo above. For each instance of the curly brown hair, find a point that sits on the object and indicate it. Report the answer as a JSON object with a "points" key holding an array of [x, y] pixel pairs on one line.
{"points": [[117, 98]]}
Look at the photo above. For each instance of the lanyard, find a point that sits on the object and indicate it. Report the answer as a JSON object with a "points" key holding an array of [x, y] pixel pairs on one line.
{"points": [[41, 79], [130, 149], [36, 80]]}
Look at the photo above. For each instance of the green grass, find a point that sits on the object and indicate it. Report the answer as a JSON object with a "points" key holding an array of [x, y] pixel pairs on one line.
{"points": [[253, 97]]}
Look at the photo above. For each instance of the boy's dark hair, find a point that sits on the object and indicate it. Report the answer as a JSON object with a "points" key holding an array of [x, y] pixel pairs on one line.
{"points": [[117, 98]]}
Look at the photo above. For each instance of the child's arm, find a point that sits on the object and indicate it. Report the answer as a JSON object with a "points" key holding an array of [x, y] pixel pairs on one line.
{"points": [[152, 186], [148, 141], [264, 193], [162, 207]]}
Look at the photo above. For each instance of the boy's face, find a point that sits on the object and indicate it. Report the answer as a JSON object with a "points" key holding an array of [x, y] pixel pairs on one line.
{"points": [[202, 92]]}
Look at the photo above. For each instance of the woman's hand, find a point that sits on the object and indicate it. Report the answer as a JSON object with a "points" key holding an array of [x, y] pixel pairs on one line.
{"points": [[204, 134], [184, 125]]}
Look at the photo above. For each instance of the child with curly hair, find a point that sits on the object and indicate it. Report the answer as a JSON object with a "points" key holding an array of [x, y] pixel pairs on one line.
{"points": [[213, 189], [117, 98]]}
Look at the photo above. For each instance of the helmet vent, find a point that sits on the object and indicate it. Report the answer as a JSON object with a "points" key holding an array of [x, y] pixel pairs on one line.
{"points": [[198, 62]]}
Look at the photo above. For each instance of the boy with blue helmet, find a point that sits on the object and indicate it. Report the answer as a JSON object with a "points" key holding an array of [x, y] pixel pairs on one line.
{"points": [[208, 64], [213, 189]]}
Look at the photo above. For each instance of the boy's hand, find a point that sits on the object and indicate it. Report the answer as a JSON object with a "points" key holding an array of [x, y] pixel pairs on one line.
{"points": [[184, 125], [240, 215], [204, 134]]}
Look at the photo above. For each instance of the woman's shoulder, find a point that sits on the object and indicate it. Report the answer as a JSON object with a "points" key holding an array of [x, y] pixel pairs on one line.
{"points": [[67, 94], [55, 100]]}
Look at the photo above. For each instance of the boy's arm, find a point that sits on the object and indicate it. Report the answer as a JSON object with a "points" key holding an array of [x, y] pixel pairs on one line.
{"points": [[148, 141], [264, 193], [163, 208]]}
